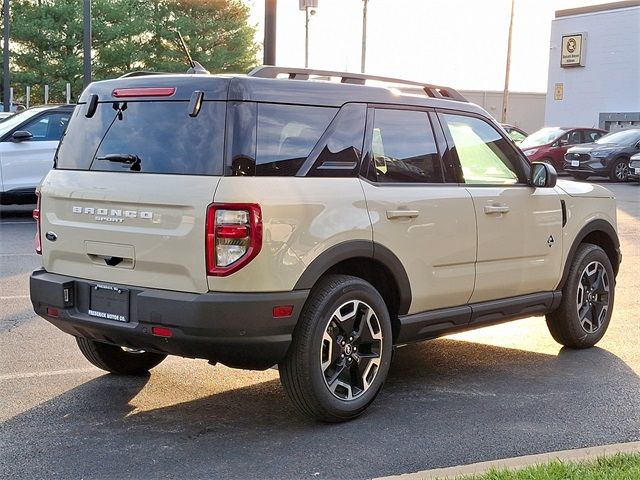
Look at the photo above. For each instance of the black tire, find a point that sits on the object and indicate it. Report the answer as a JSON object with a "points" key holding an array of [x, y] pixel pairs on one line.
{"points": [[619, 170], [115, 360], [580, 176], [566, 324], [303, 373]]}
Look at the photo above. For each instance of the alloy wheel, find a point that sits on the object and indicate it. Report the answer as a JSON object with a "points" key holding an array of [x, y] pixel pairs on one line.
{"points": [[621, 171], [592, 297], [351, 350]]}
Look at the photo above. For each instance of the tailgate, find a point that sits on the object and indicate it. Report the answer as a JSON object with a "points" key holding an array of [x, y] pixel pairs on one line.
{"points": [[143, 230]]}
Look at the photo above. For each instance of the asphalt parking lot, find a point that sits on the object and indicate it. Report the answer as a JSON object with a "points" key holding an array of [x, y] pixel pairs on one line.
{"points": [[493, 393]]}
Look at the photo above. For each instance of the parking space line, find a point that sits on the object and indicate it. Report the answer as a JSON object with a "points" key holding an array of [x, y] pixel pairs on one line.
{"points": [[13, 297], [19, 376]]}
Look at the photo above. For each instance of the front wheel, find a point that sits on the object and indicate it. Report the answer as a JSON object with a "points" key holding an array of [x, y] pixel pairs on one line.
{"points": [[619, 170], [341, 350], [117, 360], [584, 313]]}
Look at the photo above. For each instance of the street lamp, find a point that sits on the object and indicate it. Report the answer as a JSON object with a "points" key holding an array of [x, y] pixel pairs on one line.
{"points": [[5, 59], [364, 35], [86, 42], [309, 8]]}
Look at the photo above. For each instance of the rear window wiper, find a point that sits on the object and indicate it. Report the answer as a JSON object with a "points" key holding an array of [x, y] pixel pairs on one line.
{"points": [[133, 160]]}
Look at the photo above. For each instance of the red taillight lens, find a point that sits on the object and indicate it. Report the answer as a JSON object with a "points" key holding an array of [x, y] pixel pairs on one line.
{"points": [[161, 332], [282, 311], [144, 92], [233, 236], [36, 217]]}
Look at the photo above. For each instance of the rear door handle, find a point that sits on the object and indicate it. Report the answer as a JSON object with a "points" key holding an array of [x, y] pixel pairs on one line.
{"points": [[489, 209], [391, 214]]}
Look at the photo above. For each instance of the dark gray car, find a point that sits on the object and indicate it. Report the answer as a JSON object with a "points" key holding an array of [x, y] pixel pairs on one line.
{"points": [[606, 157]]}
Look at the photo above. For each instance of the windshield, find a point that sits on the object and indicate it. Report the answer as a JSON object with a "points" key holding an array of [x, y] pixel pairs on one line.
{"points": [[621, 138], [13, 121], [542, 137]]}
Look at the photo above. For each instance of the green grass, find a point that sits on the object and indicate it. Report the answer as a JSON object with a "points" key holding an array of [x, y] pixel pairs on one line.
{"points": [[617, 467]]}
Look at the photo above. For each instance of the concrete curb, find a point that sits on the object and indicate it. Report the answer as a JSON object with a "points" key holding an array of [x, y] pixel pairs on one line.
{"points": [[590, 453]]}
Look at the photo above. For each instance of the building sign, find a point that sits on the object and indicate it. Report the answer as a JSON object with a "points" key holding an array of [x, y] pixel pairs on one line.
{"points": [[559, 91], [572, 54]]}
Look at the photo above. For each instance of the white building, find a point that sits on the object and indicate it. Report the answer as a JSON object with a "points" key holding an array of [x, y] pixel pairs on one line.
{"points": [[594, 67]]}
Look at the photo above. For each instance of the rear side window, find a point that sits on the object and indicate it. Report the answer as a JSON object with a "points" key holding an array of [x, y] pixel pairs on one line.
{"points": [[592, 135], [404, 148], [286, 136], [161, 135]]}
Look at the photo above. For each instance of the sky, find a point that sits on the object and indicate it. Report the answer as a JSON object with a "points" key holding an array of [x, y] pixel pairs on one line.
{"points": [[459, 43]]}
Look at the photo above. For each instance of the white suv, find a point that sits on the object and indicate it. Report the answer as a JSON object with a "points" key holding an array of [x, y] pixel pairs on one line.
{"points": [[28, 142], [313, 224]]}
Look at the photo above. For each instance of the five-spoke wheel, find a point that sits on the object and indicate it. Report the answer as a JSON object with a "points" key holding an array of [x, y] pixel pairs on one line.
{"points": [[587, 299], [341, 350]]}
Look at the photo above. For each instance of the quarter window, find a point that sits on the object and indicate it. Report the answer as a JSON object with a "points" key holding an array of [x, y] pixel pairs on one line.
{"points": [[485, 156], [286, 136], [404, 148]]}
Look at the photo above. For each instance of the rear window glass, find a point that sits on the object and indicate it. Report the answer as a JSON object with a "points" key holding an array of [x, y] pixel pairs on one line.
{"points": [[161, 136]]}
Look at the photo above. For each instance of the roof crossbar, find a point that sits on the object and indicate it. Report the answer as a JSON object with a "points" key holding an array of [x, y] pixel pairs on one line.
{"points": [[434, 91]]}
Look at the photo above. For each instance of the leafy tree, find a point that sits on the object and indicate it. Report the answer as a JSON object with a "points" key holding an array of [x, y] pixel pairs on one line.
{"points": [[46, 39]]}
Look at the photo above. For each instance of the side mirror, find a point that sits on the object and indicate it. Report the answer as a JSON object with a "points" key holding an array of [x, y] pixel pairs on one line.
{"points": [[21, 136], [543, 175]]}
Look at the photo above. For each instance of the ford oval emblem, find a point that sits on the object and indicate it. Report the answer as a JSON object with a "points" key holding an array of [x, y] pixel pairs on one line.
{"points": [[51, 236]]}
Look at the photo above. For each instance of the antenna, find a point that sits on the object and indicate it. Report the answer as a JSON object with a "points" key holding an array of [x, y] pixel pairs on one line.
{"points": [[194, 67]]}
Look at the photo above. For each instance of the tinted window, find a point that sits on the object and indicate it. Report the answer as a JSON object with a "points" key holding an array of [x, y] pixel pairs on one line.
{"points": [[485, 156], [340, 153], [286, 136], [592, 135], [161, 134], [403, 147], [573, 138], [48, 128]]}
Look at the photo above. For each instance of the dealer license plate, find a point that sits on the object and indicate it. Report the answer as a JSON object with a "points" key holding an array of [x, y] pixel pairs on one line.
{"points": [[637, 171], [575, 163], [109, 302]]}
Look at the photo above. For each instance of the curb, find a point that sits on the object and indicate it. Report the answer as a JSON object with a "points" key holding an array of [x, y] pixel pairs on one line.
{"points": [[580, 454]]}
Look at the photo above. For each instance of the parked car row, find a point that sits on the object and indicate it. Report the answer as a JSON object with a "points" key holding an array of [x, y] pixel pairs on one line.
{"points": [[28, 142], [584, 152]]}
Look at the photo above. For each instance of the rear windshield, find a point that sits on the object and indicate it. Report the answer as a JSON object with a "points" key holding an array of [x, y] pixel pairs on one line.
{"points": [[151, 137]]}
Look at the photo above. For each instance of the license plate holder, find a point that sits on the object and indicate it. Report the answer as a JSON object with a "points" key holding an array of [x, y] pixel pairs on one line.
{"points": [[109, 302], [575, 163]]}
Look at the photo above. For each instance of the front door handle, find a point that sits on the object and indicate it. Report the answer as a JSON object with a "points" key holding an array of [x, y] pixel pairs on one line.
{"points": [[391, 214], [490, 209]]}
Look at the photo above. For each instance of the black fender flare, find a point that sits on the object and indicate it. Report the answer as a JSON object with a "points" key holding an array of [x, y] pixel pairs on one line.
{"points": [[354, 249], [593, 226]]}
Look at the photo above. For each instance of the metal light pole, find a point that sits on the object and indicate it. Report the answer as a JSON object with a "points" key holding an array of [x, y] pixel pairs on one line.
{"points": [[86, 42], [364, 36], [269, 48], [6, 95], [505, 94], [306, 37]]}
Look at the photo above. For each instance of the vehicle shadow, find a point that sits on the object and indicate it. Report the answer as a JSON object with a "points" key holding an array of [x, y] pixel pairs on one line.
{"points": [[446, 402]]}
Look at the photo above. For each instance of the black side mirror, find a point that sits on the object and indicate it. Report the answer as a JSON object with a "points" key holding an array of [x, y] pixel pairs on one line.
{"points": [[543, 175], [21, 136]]}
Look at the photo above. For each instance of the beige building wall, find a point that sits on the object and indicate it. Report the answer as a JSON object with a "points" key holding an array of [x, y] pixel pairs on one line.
{"points": [[526, 109]]}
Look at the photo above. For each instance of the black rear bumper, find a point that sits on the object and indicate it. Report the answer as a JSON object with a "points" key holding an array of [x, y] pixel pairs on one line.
{"points": [[236, 329]]}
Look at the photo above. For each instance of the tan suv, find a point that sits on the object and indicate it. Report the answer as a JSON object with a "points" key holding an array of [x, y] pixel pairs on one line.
{"points": [[307, 223]]}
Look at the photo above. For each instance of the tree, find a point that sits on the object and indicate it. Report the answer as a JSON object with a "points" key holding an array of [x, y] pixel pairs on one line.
{"points": [[46, 39]]}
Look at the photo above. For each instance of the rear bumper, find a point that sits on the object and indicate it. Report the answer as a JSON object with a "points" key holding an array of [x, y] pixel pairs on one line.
{"points": [[236, 329]]}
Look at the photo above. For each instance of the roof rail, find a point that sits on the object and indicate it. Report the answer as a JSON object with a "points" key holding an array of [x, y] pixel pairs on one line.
{"points": [[434, 91]]}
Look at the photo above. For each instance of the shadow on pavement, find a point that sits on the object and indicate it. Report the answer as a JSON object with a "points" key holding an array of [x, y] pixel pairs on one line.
{"points": [[446, 402]]}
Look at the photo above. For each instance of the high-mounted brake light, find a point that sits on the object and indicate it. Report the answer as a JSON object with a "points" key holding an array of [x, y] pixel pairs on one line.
{"points": [[233, 236], [36, 217], [144, 92]]}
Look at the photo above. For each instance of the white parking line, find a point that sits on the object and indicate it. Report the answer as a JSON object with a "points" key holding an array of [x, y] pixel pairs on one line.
{"points": [[17, 376], [13, 297]]}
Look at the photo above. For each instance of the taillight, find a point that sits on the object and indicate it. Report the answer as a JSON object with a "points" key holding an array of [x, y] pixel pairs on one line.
{"points": [[144, 92], [233, 236], [36, 217]]}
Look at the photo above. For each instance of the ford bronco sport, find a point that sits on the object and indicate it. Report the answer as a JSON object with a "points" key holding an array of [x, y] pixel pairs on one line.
{"points": [[307, 223]]}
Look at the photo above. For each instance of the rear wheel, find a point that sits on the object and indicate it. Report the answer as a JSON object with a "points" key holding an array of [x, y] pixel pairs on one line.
{"points": [[118, 360], [619, 170], [587, 300], [341, 350]]}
